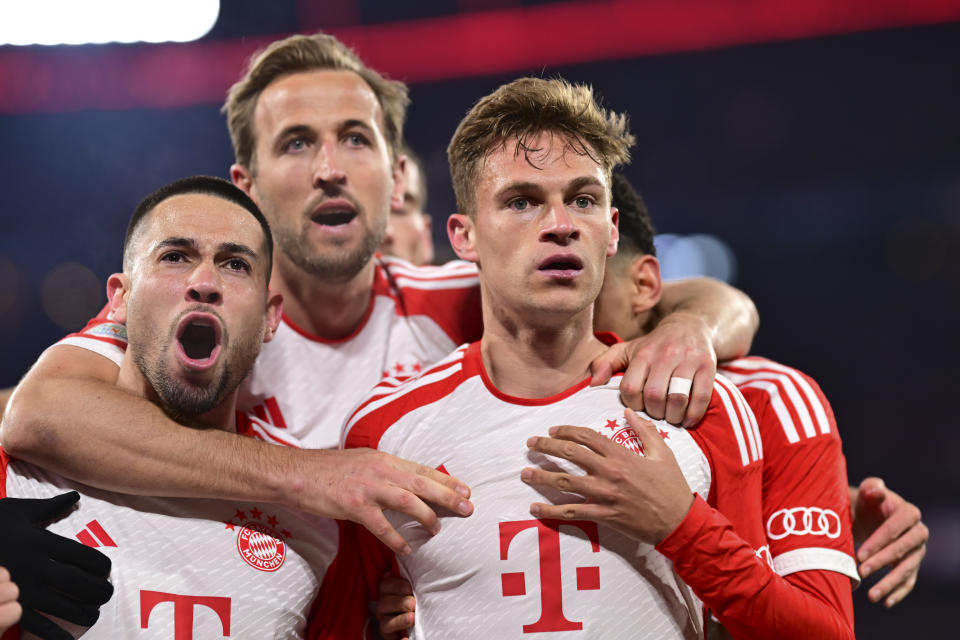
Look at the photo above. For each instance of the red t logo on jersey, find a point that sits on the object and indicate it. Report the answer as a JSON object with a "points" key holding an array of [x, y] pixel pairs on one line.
{"points": [[551, 591], [183, 611]]}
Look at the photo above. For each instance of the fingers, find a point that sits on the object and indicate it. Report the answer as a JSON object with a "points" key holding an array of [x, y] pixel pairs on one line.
{"points": [[76, 584], [577, 511], [73, 553], [576, 444], [900, 581], [42, 510], [893, 552], [10, 609], [55, 603], [904, 517], [377, 524], [649, 434], [678, 396], [427, 485], [10, 612], [395, 608], [872, 488], [700, 396], [565, 482], [603, 366], [393, 585]]}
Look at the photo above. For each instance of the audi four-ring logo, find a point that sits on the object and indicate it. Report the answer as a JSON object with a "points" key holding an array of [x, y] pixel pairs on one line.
{"points": [[803, 521]]}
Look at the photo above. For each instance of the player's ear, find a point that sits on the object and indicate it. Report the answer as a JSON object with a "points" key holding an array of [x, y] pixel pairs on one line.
{"points": [[614, 232], [646, 283], [460, 231], [118, 288], [274, 314], [399, 181], [242, 178]]}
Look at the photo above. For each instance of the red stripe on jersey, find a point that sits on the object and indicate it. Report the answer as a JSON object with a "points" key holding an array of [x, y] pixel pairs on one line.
{"points": [[4, 461], [86, 538], [390, 385], [457, 310], [101, 534], [276, 418], [367, 430]]}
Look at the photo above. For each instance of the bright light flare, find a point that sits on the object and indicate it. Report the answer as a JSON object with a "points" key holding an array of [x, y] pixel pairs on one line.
{"points": [[24, 22]]}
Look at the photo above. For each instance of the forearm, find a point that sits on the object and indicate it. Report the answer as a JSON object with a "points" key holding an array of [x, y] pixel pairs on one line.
{"points": [[94, 433], [727, 313], [745, 594]]}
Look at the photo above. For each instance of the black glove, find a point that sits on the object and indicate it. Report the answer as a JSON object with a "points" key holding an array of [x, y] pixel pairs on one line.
{"points": [[56, 575]]}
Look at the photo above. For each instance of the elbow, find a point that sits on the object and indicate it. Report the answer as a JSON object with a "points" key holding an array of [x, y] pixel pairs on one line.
{"points": [[23, 433]]}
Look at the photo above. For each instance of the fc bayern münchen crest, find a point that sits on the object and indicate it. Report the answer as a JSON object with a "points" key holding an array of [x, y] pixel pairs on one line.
{"points": [[623, 435], [261, 547]]}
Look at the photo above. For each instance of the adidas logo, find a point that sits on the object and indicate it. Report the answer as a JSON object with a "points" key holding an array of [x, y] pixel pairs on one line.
{"points": [[95, 536]]}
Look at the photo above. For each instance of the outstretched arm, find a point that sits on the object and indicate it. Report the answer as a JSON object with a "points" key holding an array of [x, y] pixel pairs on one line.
{"points": [[701, 321], [67, 414], [889, 533]]}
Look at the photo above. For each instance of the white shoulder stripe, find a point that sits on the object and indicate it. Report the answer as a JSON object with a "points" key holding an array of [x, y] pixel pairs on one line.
{"points": [[465, 282], [783, 416], [793, 384], [734, 420], [745, 410]]}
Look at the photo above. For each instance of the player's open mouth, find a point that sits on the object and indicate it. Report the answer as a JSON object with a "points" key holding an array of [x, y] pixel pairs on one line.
{"points": [[198, 340], [564, 267], [334, 213]]}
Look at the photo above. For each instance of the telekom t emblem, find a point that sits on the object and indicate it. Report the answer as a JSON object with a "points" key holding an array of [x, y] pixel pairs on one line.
{"points": [[183, 611], [551, 590]]}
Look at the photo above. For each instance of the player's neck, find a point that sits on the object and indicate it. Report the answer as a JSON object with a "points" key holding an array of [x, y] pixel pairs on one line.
{"points": [[328, 310], [222, 417], [532, 361]]}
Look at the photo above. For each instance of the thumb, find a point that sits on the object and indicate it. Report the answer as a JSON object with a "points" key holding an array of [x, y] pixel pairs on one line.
{"points": [[40, 510], [613, 359]]}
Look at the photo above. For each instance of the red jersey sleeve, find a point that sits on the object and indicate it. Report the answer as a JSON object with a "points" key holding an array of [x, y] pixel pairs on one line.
{"points": [[806, 501], [720, 548]]}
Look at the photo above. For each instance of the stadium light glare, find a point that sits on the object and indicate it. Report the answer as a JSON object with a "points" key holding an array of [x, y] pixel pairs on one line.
{"points": [[51, 22]]}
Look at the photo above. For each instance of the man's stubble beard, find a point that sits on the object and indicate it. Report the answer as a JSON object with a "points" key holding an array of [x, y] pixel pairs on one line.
{"points": [[184, 401], [334, 269]]}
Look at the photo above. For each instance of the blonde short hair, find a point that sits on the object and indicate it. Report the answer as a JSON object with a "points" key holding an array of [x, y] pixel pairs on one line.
{"points": [[521, 110], [307, 53]]}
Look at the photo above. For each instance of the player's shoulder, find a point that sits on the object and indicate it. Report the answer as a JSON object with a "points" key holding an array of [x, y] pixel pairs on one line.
{"points": [[729, 426], [101, 335], [783, 395], [448, 294], [393, 398], [408, 277]]}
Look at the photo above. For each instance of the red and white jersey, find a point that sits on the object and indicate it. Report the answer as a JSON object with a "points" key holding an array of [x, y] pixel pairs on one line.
{"points": [[502, 573], [806, 504], [194, 568], [306, 385]]}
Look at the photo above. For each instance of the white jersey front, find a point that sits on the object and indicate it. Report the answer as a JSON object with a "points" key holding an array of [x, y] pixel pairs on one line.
{"points": [[416, 316], [502, 573], [188, 568]]}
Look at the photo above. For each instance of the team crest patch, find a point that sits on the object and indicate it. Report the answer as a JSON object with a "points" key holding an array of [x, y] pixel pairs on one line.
{"points": [[260, 545], [622, 434]]}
